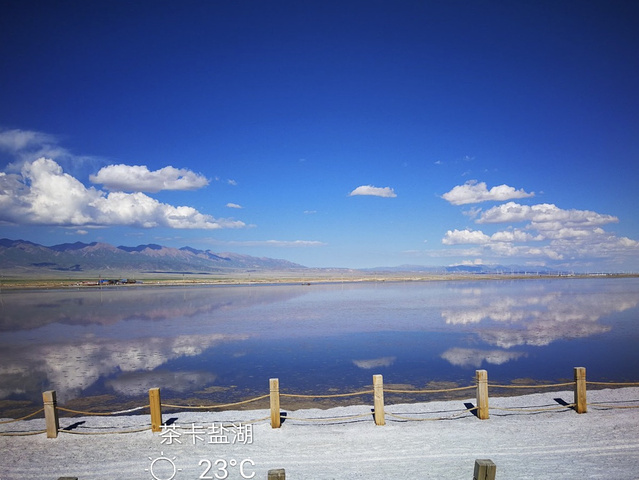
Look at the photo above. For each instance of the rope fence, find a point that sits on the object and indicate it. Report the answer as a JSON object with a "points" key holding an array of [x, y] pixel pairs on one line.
{"points": [[602, 406], [23, 418], [334, 395], [330, 419], [405, 418], [102, 414], [213, 407], [534, 409], [615, 384], [22, 434], [116, 432], [480, 410], [552, 385], [439, 390]]}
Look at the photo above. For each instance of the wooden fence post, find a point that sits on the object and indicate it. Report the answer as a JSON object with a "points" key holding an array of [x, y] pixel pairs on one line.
{"points": [[482, 394], [156, 409], [484, 470], [51, 413], [277, 474], [274, 387], [580, 390], [378, 399]]}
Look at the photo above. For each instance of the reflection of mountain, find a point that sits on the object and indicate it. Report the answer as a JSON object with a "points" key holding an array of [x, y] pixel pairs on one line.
{"points": [[72, 367], [21, 310]]}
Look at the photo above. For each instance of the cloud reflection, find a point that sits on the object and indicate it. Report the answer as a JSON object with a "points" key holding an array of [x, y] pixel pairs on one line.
{"points": [[470, 357], [133, 334], [375, 362], [71, 368], [139, 383], [538, 320]]}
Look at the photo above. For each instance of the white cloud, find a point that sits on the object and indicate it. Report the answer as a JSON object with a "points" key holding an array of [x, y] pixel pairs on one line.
{"points": [[472, 212], [500, 243], [544, 216], [597, 245], [42, 194], [386, 192], [549, 234], [138, 178], [234, 205], [465, 237], [18, 140], [514, 235], [50, 196], [27, 145], [473, 192], [472, 263]]}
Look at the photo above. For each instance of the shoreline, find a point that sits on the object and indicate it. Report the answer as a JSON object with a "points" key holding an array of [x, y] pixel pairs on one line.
{"points": [[120, 409], [277, 278], [104, 403]]}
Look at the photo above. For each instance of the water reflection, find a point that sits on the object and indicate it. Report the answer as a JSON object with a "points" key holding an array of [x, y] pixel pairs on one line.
{"points": [[193, 340], [72, 366], [28, 310], [139, 383], [375, 363], [538, 319], [472, 357]]}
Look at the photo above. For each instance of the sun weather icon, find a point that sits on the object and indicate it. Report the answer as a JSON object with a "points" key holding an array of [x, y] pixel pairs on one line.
{"points": [[162, 468]]}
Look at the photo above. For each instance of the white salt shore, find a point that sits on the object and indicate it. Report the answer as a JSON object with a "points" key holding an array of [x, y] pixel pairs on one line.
{"points": [[539, 441]]}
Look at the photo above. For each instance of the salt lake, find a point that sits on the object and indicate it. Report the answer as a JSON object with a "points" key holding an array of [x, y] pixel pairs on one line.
{"points": [[222, 343]]}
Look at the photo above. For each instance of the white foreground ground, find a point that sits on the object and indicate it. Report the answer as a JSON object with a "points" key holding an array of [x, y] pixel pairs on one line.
{"points": [[551, 444]]}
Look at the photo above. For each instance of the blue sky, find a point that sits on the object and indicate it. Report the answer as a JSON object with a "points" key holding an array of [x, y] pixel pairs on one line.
{"points": [[332, 134]]}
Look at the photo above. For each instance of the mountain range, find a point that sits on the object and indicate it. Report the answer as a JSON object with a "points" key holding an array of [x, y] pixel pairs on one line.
{"points": [[22, 256], [25, 258]]}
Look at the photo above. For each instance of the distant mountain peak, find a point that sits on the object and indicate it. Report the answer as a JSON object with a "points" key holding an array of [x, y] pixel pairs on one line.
{"points": [[141, 248], [65, 247]]}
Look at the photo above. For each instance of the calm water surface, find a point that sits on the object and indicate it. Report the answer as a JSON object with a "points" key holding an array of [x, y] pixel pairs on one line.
{"points": [[209, 342]]}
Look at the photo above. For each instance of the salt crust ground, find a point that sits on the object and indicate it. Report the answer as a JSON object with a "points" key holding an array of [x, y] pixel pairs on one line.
{"points": [[558, 444]]}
